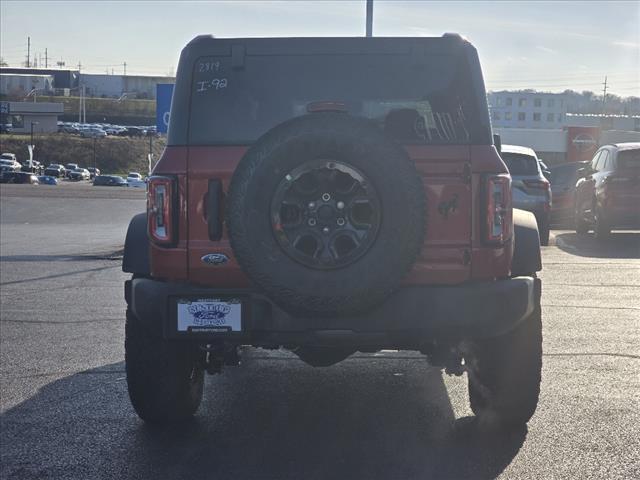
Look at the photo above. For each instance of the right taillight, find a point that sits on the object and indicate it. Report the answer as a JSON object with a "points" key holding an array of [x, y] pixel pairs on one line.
{"points": [[160, 210], [498, 220]]}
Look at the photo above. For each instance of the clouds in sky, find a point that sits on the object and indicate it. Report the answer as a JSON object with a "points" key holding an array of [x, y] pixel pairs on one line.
{"points": [[536, 44]]}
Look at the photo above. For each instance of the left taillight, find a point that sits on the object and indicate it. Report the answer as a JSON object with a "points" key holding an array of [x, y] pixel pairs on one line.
{"points": [[537, 184], [499, 214], [161, 207]]}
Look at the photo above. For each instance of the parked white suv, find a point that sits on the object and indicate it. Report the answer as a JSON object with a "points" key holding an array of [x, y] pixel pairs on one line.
{"points": [[134, 179], [8, 163]]}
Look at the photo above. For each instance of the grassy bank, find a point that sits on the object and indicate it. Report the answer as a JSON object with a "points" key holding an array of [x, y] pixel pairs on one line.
{"points": [[112, 154]]}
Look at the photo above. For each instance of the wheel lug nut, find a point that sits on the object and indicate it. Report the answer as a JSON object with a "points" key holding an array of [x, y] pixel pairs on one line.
{"points": [[312, 222], [325, 229], [340, 221], [340, 205], [326, 197]]}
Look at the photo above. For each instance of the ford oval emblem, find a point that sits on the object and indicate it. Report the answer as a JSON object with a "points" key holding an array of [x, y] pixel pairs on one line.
{"points": [[215, 259]]}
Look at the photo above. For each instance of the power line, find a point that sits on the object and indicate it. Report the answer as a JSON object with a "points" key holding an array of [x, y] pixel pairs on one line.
{"points": [[555, 82], [533, 83], [580, 75]]}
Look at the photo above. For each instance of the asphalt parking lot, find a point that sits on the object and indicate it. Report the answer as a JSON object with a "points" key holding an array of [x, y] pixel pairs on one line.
{"points": [[64, 410]]}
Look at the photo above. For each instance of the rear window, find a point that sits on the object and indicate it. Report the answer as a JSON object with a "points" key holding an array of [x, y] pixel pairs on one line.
{"points": [[565, 174], [431, 102], [520, 164], [629, 159]]}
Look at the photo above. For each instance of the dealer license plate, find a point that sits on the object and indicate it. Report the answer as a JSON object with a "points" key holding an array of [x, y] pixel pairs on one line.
{"points": [[209, 315]]}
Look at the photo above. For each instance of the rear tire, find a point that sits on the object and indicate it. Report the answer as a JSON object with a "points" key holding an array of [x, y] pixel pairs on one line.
{"points": [[544, 229], [601, 229], [582, 227], [505, 373], [165, 378]]}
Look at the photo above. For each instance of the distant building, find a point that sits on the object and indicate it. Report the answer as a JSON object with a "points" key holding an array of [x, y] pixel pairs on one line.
{"points": [[67, 82], [527, 109], [61, 78], [574, 142], [102, 85], [605, 122], [549, 144], [21, 115], [114, 86], [19, 85]]}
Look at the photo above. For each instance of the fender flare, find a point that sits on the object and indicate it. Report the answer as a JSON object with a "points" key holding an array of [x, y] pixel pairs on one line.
{"points": [[526, 249], [136, 247]]}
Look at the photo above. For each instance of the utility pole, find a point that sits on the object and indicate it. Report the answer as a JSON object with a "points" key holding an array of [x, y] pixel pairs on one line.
{"points": [[82, 109], [28, 52], [369, 18], [46, 59], [125, 69], [604, 95]]}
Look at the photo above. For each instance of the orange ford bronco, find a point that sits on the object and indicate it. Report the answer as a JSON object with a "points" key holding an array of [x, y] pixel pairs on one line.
{"points": [[328, 196]]}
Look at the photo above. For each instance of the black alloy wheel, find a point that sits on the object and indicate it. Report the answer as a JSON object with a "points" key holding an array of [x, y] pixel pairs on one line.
{"points": [[325, 214]]}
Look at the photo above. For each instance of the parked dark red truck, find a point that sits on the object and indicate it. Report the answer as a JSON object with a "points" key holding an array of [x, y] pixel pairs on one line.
{"points": [[328, 196]]}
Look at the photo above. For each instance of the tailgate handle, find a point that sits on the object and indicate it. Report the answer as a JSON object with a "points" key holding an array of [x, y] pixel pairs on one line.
{"points": [[214, 209]]}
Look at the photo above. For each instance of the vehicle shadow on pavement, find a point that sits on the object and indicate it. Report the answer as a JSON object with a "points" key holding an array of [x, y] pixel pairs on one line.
{"points": [[617, 245], [116, 254], [270, 418]]}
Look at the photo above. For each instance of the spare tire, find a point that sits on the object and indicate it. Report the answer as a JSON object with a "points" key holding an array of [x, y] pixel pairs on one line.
{"points": [[326, 214]]}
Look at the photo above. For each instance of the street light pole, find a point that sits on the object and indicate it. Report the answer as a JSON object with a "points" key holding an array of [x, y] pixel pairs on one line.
{"points": [[31, 146], [150, 153], [369, 18]]}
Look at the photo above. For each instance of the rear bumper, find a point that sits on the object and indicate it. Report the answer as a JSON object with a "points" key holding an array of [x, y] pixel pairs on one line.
{"points": [[540, 210], [409, 318]]}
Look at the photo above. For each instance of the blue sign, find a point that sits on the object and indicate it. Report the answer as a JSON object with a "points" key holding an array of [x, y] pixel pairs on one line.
{"points": [[164, 91]]}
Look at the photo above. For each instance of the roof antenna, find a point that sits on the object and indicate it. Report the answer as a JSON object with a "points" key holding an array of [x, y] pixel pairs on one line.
{"points": [[369, 18]]}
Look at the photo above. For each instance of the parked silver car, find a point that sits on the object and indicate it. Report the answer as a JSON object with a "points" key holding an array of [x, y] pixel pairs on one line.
{"points": [[531, 190], [93, 132], [79, 174]]}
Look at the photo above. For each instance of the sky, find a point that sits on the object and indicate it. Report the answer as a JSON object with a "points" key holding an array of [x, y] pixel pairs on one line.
{"points": [[549, 46]]}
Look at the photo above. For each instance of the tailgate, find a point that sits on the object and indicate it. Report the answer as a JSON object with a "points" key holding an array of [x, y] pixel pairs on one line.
{"points": [[446, 175]]}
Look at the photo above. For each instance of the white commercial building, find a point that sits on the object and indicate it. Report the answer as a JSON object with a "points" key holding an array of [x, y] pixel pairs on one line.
{"points": [[114, 86], [19, 85], [549, 144], [527, 109]]}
